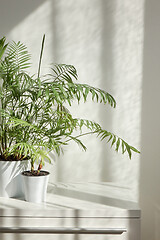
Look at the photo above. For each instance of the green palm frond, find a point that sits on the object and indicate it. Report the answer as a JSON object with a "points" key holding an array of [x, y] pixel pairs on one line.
{"points": [[83, 91], [67, 90], [34, 118], [63, 73], [24, 150], [3, 46], [77, 141], [117, 142], [66, 125], [18, 55], [95, 128], [16, 60]]}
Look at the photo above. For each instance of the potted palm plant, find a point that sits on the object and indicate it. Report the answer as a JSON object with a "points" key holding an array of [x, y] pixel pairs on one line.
{"points": [[35, 119], [11, 164]]}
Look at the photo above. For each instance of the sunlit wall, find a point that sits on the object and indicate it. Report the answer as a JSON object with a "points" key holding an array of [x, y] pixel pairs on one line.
{"points": [[150, 157], [103, 39]]}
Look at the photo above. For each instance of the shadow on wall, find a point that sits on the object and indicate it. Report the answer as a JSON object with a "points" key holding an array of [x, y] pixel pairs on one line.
{"points": [[150, 159], [107, 66], [121, 61], [86, 43], [13, 12]]}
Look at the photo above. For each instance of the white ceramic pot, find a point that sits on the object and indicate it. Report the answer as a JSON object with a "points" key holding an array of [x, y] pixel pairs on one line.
{"points": [[11, 179], [35, 187]]}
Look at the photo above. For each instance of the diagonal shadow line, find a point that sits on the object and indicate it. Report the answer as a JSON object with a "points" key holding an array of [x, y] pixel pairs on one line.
{"points": [[13, 12], [90, 197]]}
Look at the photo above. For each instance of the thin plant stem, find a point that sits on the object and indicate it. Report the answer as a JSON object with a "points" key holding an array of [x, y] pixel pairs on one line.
{"points": [[40, 59]]}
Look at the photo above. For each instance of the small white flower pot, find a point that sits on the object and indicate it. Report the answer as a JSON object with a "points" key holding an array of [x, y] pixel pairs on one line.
{"points": [[35, 187], [10, 178]]}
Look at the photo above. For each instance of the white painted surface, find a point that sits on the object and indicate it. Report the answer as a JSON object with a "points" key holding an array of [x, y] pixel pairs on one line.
{"points": [[35, 188], [72, 208], [10, 178], [150, 160]]}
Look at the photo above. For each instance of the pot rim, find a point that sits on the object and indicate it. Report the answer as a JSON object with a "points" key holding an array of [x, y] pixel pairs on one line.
{"points": [[47, 173], [14, 160]]}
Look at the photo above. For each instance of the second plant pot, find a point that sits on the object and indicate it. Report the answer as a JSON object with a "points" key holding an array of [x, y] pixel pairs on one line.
{"points": [[35, 187], [10, 178]]}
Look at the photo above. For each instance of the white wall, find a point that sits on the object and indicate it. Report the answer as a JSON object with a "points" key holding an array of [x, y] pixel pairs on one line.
{"points": [[150, 159], [104, 40]]}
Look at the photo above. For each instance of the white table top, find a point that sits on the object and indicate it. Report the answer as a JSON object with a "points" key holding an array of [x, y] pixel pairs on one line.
{"points": [[76, 200]]}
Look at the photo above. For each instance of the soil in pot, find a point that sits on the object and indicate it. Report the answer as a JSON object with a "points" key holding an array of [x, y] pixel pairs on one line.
{"points": [[12, 158], [35, 173]]}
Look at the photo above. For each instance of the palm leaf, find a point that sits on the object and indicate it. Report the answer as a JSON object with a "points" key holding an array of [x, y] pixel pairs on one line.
{"points": [[65, 90], [63, 72], [3, 46], [33, 115], [17, 57]]}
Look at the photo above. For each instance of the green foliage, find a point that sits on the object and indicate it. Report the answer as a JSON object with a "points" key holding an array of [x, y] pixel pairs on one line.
{"points": [[2, 46], [34, 118]]}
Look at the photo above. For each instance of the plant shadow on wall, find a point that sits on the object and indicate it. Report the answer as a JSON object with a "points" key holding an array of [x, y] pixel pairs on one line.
{"points": [[34, 119]]}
